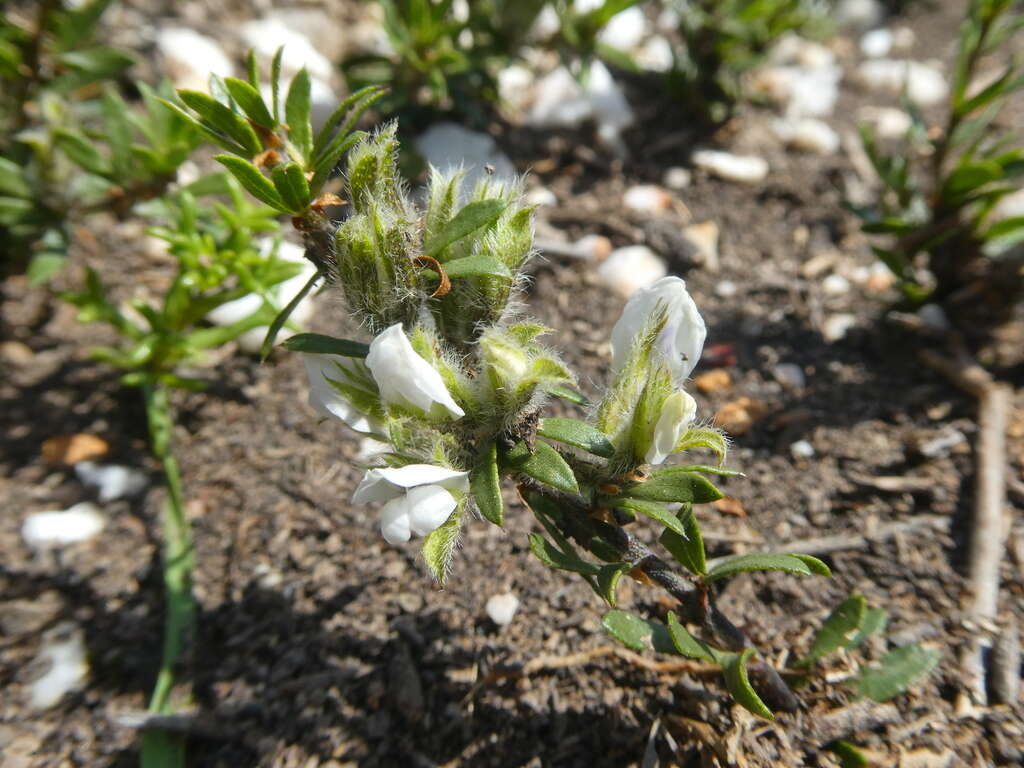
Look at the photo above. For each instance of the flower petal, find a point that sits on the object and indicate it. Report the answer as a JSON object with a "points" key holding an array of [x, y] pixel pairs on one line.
{"points": [[386, 483], [429, 507], [394, 520], [328, 401], [677, 413], [405, 378]]}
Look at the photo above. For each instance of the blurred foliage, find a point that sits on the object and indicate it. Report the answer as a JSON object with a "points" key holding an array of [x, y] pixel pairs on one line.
{"points": [[940, 190]]}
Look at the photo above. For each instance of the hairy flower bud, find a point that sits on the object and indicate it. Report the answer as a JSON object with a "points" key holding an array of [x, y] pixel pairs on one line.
{"points": [[677, 412]]}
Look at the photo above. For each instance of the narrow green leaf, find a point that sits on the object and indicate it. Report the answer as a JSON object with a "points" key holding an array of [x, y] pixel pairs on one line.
{"points": [[675, 484], [318, 344], [818, 568], [875, 620], [759, 562], [284, 314], [688, 549], [608, 580], [472, 216], [485, 483], [544, 465], [291, 184], [275, 83], [218, 117], [736, 680], [12, 180], [687, 645], [297, 109], [553, 557], [251, 102], [351, 109], [249, 176], [630, 630], [835, 633], [570, 395], [252, 70], [82, 152], [720, 471], [849, 755], [895, 672], [440, 544], [326, 164], [652, 509], [577, 433], [479, 265]]}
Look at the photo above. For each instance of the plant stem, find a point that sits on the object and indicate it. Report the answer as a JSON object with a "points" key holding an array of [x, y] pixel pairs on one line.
{"points": [[160, 748]]}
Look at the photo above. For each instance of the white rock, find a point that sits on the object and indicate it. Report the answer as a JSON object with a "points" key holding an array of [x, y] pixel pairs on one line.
{"points": [[789, 375], [58, 528], [726, 289], [266, 35], [502, 608], [801, 449], [241, 308], [858, 14], [887, 122], [190, 58], [802, 77], [677, 178], [113, 481], [515, 87], [541, 196], [625, 30], [545, 25], [806, 54], [703, 237], [647, 198], [655, 55], [595, 248], [448, 145], [925, 83], [746, 169], [877, 43], [1009, 207], [560, 101], [903, 38], [629, 269], [835, 285], [63, 652], [807, 134], [611, 110], [836, 326]]}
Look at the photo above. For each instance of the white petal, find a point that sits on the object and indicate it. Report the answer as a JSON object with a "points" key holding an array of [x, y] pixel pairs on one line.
{"points": [[328, 401], [404, 377], [677, 413], [394, 520], [386, 483], [429, 507], [682, 340]]}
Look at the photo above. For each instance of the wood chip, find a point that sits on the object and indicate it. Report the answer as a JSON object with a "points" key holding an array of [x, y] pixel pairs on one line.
{"points": [[71, 449]]}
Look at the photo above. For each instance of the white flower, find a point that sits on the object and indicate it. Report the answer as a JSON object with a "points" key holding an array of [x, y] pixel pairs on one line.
{"points": [[417, 498], [327, 400], [682, 339], [405, 378], [677, 413]]}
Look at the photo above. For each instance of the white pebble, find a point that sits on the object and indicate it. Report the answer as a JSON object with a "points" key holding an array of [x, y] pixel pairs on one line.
{"points": [[595, 248], [58, 528], [625, 30], [703, 237], [887, 122], [801, 449], [807, 135], [746, 169], [934, 318], [647, 198], [726, 289], [64, 653], [113, 481], [858, 14], [265, 36], [835, 285], [502, 608], [540, 196], [655, 55], [447, 146], [1009, 207], [629, 269], [877, 43], [838, 325], [190, 58], [925, 83], [677, 178], [789, 375], [515, 87]]}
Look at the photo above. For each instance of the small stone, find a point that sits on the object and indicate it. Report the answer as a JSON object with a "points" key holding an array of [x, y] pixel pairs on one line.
{"points": [[807, 134], [819, 263], [647, 198], [541, 196], [63, 654], [934, 318], [858, 14], [655, 55], [835, 285], [745, 169], [801, 449], [876, 278], [887, 122], [789, 375], [15, 353], [924, 83], [515, 87], [1009, 207], [739, 416], [266, 35], [190, 58], [943, 443], [113, 481], [42, 530], [71, 449], [448, 146], [726, 289], [629, 269], [836, 326], [410, 602], [713, 381], [625, 30], [502, 608], [877, 43], [595, 248], [677, 178], [703, 237]]}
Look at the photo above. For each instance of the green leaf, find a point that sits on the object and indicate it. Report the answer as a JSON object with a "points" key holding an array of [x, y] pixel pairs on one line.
{"points": [[44, 266], [12, 180], [545, 465], [251, 102], [291, 184], [835, 633], [275, 83], [761, 562], [218, 117], [485, 483], [703, 437], [895, 672], [284, 314], [968, 176], [318, 344], [688, 549], [849, 755], [630, 630], [473, 216], [736, 680], [608, 580], [479, 265], [651, 509], [569, 394], [553, 557], [297, 109], [82, 152], [818, 568], [687, 645], [351, 109], [577, 433], [874, 622], [440, 544], [249, 176], [675, 484]]}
